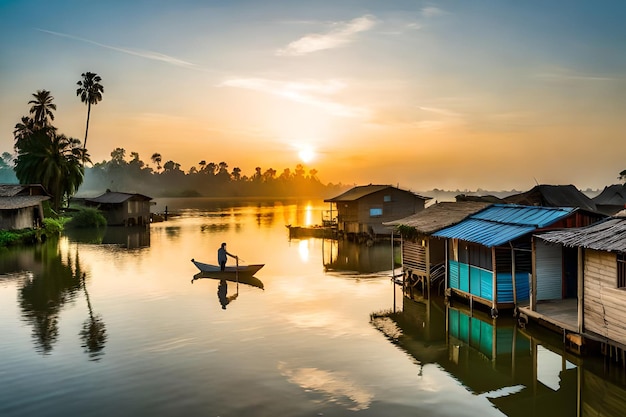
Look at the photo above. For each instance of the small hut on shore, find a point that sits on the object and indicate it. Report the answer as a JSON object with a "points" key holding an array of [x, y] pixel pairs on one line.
{"points": [[122, 209], [21, 206]]}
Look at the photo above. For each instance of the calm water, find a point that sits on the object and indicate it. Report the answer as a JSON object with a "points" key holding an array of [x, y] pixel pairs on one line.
{"points": [[109, 324]]}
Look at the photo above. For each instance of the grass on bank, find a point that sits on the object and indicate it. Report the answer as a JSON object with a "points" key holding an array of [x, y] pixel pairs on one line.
{"points": [[52, 226]]}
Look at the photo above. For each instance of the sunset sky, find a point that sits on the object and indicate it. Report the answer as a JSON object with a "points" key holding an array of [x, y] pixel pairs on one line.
{"points": [[449, 94]]}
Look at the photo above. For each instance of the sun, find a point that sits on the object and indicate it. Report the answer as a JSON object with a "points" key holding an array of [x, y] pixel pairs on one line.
{"points": [[306, 154]]}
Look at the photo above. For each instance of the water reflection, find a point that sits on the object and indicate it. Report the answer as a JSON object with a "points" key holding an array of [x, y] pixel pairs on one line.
{"points": [[93, 333], [126, 237], [222, 288], [520, 372], [346, 255]]}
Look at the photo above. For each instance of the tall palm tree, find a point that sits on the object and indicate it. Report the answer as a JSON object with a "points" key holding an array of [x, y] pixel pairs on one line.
{"points": [[90, 91], [42, 106]]}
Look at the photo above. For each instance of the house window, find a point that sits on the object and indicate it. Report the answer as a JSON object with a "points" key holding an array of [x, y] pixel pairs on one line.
{"points": [[387, 199], [376, 212], [621, 270]]}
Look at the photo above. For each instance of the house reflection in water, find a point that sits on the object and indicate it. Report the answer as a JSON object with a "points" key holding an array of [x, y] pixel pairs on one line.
{"points": [[346, 255], [522, 373], [127, 237]]}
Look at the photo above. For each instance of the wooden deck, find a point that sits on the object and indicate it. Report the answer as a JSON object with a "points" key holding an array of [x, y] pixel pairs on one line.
{"points": [[560, 313]]}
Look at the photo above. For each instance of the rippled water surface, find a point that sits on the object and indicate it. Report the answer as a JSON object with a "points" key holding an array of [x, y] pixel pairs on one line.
{"points": [[110, 324]]}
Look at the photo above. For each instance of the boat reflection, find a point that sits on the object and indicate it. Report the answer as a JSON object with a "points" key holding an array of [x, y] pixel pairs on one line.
{"points": [[222, 288], [521, 372]]}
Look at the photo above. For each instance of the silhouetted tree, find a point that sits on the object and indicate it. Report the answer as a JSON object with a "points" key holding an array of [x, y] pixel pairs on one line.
{"points": [[90, 91], [41, 107]]}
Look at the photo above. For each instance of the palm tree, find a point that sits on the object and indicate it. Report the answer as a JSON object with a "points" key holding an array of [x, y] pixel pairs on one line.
{"points": [[53, 161], [42, 106], [25, 128], [156, 158], [90, 91]]}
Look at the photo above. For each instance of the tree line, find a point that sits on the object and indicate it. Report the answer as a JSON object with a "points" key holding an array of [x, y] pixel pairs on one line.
{"points": [[128, 172], [60, 163]]}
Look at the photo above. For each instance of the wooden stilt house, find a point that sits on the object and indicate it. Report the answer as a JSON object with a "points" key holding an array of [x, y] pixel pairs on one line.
{"points": [[594, 257], [489, 254], [423, 257]]}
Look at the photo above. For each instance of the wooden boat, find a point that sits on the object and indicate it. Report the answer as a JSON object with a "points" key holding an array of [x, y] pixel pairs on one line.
{"points": [[215, 272]]}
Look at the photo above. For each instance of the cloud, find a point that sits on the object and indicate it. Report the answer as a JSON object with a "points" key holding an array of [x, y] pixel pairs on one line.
{"points": [[429, 12], [312, 93], [156, 56], [341, 35]]}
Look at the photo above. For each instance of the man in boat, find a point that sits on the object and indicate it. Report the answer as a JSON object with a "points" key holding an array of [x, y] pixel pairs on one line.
{"points": [[222, 256]]}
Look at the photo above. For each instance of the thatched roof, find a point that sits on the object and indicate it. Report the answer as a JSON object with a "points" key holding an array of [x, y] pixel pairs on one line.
{"points": [[439, 215], [21, 201], [553, 196], [12, 190], [607, 235], [361, 191]]}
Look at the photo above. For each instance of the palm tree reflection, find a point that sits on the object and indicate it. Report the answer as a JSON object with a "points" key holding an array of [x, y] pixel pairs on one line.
{"points": [[93, 333], [55, 282]]}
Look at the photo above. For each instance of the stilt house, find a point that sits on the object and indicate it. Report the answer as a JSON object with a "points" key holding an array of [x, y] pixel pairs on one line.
{"points": [[363, 209], [423, 257], [489, 255], [588, 266]]}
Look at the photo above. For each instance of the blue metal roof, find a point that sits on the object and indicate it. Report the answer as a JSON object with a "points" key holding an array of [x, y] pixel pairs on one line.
{"points": [[501, 223]]}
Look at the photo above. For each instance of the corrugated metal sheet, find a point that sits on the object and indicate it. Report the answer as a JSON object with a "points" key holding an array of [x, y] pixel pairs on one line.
{"points": [[502, 223], [549, 271]]}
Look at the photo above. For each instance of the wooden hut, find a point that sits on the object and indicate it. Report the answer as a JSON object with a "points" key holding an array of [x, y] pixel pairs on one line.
{"points": [[598, 255], [21, 206], [423, 258], [489, 254], [362, 210], [122, 209]]}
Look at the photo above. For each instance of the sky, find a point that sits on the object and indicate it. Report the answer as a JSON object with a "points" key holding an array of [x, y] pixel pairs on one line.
{"points": [[489, 94]]}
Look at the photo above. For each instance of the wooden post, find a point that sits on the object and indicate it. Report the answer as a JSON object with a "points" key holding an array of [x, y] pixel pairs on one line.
{"points": [[533, 280], [581, 293], [513, 277], [427, 247]]}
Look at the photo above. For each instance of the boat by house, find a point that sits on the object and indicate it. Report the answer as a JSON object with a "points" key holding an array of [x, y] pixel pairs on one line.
{"points": [[362, 210]]}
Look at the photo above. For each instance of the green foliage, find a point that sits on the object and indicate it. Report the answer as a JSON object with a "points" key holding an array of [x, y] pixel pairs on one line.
{"points": [[87, 218], [52, 227], [407, 232]]}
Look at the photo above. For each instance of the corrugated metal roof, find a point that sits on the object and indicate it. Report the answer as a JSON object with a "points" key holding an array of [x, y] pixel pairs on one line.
{"points": [[439, 215], [501, 223], [607, 235], [115, 198], [364, 190]]}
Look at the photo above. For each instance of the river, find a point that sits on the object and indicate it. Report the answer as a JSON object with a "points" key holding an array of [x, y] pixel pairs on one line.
{"points": [[109, 323]]}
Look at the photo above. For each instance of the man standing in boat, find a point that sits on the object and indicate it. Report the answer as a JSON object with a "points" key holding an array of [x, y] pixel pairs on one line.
{"points": [[222, 256]]}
